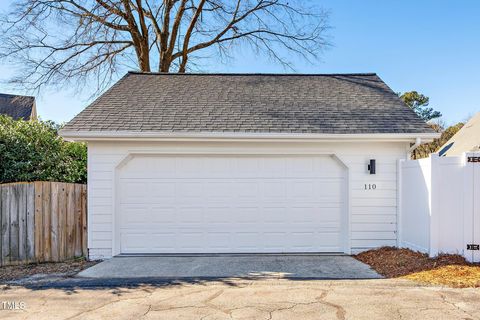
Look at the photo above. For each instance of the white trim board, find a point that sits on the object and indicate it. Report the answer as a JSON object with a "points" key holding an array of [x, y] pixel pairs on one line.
{"points": [[241, 136]]}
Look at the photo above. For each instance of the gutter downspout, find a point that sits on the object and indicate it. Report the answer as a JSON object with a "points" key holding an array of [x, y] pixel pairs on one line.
{"points": [[418, 141]]}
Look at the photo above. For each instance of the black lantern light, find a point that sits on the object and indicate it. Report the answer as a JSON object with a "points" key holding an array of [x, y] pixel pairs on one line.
{"points": [[372, 166]]}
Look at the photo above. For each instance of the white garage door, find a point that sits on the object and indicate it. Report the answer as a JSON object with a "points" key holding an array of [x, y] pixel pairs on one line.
{"points": [[231, 204]]}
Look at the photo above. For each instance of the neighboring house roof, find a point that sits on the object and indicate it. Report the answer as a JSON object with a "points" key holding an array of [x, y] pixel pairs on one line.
{"points": [[18, 107], [465, 140], [249, 103]]}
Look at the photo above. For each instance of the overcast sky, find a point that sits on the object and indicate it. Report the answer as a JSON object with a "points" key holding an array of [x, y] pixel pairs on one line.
{"points": [[432, 46]]}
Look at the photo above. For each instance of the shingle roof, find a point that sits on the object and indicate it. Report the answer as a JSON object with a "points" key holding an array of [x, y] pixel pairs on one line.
{"points": [[17, 106], [267, 103]]}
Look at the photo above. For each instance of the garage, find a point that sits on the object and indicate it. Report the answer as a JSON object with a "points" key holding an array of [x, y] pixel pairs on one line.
{"points": [[231, 204], [244, 163]]}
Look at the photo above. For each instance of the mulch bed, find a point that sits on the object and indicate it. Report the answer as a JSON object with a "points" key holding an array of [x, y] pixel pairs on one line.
{"points": [[68, 268], [445, 269]]}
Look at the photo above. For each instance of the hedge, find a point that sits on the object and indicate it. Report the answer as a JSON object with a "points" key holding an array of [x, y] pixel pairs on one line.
{"points": [[33, 151]]}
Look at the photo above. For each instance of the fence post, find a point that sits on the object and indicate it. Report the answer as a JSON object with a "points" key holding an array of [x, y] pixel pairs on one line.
{"points": [[5, 227], [471, 208], [472, 205], [476, 208], [434, 186], [30, 212], [38, 222], [467, 206]]}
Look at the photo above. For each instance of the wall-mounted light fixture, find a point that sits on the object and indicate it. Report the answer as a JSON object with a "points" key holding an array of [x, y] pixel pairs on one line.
{"points": [[372, 166]]}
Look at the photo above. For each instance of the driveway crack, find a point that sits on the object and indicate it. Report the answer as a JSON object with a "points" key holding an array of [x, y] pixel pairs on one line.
{"points": [[445, 300], [340, 312]]}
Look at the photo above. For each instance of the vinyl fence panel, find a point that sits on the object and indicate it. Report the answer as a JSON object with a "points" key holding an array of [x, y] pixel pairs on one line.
{"points": [[440, 205]]}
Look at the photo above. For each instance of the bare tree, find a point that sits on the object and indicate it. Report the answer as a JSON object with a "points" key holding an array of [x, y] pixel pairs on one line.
{"points": [[56, 42]]}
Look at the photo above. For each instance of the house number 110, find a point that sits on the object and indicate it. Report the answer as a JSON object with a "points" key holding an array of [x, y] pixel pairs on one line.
{"points": [[370, 186]]}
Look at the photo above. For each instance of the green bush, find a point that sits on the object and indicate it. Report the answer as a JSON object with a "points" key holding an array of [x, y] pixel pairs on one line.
{"points": [[33, 151]]}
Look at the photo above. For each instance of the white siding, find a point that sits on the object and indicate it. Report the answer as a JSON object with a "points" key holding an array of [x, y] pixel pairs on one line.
{"points": [[372, 213]]}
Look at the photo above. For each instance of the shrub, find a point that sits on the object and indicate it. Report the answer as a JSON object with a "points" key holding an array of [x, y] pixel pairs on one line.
{"points": [[33, 151]]}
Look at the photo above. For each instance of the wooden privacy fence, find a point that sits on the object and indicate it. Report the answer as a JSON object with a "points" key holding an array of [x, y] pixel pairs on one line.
{"points": [[42, 222]]}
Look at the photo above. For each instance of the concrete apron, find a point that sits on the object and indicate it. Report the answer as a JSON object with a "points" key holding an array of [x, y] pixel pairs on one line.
{"points": [[232, 266]]}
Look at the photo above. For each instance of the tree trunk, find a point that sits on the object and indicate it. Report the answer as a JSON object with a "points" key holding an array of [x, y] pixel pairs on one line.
{"points": [[144, 59], [183, 65], [165, 64]]}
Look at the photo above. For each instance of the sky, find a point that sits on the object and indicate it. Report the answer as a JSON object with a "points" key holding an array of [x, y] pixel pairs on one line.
{"points": [[431, 46]]}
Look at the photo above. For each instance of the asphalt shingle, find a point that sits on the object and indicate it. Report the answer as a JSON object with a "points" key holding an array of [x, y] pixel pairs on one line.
{"points": [[267, 103], [17, 107]]}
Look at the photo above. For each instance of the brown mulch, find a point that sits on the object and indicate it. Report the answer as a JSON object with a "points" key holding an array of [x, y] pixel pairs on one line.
{"points": [[445, 269], [68, 268]]}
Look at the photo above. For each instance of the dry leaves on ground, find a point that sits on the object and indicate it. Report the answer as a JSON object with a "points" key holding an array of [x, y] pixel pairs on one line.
{"points": [[445, 269], [68, 268], [453, 276]]}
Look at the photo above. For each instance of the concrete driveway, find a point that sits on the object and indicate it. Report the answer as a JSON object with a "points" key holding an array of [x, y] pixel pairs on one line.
{"points": [[233, 266], [246, 299]]}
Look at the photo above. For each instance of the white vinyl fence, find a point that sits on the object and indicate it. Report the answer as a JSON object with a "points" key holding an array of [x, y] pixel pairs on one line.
{"points": [[439, 205]]}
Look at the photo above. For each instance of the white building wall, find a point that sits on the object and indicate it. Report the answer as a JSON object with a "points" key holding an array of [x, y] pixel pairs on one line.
{"points": [[372, 212]]}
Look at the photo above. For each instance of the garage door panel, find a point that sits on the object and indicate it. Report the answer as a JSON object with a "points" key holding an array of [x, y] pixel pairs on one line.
{"points": [[162, 241], [246, 214], [163, 167], [192, 240], [190, 215], [247, 240], [302, 238], [317, 167], [134, 242], [189, 189], [162, 214], [189, 167], [218, 215], [134, 214], [247, 167], [246, 189], [274, 214], [162, 190], [132, 191], [274, 167], [274, 190], [218, 190], [301, 189], [220, 167], [310, 214], [201, 204]]}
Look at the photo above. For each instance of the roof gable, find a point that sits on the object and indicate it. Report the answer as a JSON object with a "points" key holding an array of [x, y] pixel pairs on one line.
{"points": [[251, 103], [467, 139]]}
